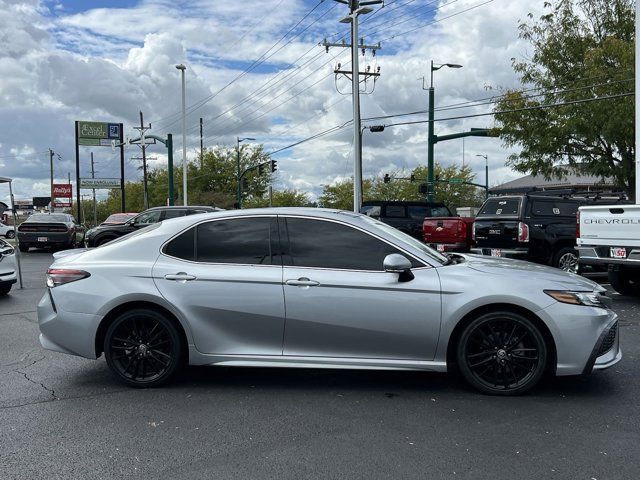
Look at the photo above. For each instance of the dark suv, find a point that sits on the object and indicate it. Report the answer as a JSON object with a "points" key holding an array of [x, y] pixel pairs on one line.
{"points": [[538, 228], [405, 216], [105, 233]]}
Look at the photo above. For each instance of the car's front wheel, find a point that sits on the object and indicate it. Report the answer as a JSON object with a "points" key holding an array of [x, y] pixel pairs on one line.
{"points": [[11, 234], [502, 353], [142, 347]]}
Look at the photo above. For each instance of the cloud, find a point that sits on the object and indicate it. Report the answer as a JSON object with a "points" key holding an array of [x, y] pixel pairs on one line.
{"points": [[107, 64]]}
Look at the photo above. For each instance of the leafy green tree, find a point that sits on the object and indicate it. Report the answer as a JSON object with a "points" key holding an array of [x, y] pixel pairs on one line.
{"points": [[340, 195], [281, 198], [581, 49]]}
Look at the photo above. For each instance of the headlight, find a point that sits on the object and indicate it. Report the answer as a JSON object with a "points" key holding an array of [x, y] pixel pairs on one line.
{"points": [[588, 299]]}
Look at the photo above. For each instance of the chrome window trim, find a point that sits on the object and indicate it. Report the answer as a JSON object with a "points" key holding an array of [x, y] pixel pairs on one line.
{"points": [[425, 265]]}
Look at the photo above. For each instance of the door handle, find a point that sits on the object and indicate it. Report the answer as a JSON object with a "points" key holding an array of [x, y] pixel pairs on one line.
{"points": [[180, 277], [302, 282]]}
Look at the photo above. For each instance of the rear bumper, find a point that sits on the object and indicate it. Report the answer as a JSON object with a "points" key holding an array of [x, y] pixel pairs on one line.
{"points": [[450, 247], [599, 255], [505, 252], [53, 238]]}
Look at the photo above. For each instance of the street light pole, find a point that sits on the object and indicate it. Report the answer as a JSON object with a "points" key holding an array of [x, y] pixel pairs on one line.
{"points": [[182, 68], [431, 140], [486, 174]]}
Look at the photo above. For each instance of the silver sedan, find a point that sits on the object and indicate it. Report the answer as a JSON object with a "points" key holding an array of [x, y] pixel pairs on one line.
{"points": [[324, 289]]}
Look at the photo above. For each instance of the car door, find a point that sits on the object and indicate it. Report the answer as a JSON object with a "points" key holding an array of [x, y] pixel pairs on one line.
{"points": [[225, 276], [340, 302]]}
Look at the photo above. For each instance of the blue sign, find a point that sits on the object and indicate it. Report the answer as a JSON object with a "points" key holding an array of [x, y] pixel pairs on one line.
{"points": [[114, 130]]}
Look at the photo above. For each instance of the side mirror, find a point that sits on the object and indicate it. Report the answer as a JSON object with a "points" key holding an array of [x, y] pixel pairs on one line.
{"points": [[396, 263]]}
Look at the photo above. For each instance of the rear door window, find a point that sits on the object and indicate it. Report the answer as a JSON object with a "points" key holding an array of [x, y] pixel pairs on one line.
{"points": [[440, 211], [371, 210], [418, 212], [501, 207]]}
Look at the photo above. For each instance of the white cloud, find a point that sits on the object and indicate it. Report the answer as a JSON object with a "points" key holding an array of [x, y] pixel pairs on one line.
{"points": [[108, 64]]}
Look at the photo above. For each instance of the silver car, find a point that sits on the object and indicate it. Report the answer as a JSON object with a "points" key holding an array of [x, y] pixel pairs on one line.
{"points": [[319, 288], [8, 271]]}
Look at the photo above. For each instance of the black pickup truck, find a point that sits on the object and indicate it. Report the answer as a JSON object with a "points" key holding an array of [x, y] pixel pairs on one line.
{"points": [[537, 228], [406, 216]]}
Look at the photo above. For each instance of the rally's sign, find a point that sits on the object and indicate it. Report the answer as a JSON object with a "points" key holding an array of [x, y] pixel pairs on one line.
{"points": [[98, 134], [62, 204], [62, 190], [100, 183]]}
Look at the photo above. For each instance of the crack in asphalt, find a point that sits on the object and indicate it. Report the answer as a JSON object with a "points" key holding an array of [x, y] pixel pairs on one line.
{"points": [[50, 390], [63, 399], [17, 313]]}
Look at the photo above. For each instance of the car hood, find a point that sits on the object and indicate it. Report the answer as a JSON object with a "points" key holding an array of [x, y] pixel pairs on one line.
{"points": [[519, 269]]}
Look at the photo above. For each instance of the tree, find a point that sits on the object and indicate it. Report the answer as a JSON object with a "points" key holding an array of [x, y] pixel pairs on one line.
{"points": [[340, 195], [281, 198], [582, 49]]}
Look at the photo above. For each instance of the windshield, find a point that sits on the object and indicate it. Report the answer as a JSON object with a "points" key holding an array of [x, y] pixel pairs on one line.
{"points": [[118, 218], [404, 238], [500, 207], [48, 217]]}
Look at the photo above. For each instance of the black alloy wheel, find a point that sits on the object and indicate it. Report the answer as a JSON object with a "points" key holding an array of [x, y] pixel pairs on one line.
{"points": [[502, 353], [142, 347]]}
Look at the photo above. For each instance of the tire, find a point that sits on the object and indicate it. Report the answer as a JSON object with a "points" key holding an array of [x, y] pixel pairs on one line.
{"points": [[10, 234], [566, 259], [143, 348], [4, 289], [625, 282], [486, 358], [23, 248]]}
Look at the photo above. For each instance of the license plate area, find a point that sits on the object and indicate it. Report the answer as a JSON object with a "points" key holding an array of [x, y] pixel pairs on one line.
{"points": [[618, 252], [440, 247], [496, 252], [42, 239]]}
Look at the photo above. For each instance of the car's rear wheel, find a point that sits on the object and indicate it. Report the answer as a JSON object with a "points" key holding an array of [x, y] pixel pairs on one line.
{"points": [[11, 234], [142, 347], [502, 353], [566, 259], [624, 282]]}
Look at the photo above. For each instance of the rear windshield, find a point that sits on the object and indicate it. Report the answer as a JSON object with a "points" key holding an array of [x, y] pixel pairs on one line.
{"points": [[501, 207], [48, 217]]}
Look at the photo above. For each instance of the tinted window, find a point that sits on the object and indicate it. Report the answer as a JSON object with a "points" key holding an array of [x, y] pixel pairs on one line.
{"points": [[174, 213], [554, 208], [193, 212], [395, 211], [441, 211], [418, 212], [542, 208], [318, 243], [148, 217], [241, 240], [183, 246], [49, 217], [501, 206]]}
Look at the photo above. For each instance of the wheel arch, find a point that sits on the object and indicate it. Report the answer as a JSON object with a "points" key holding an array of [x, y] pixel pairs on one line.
{"points": [[470, 316], [118, 310]]}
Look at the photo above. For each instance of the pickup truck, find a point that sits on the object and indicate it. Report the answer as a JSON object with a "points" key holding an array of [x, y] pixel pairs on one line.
{"points": [[406, 216], [538, 228], [609, 235], [448, 234]]}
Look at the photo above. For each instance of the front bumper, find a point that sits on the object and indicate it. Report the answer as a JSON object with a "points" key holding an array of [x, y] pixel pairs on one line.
{"points": [[8, 275]]}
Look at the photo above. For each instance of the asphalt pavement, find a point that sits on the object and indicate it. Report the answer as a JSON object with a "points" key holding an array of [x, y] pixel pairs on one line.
{"points": [[63, 417]]}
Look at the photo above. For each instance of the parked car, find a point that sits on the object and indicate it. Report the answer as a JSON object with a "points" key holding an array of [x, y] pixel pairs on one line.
{"points": [[534, 227], [107, 232], [405, 216], [295, 287], [56, 230], [609, 236], [7, 231], [7, 267], [448, 234]]}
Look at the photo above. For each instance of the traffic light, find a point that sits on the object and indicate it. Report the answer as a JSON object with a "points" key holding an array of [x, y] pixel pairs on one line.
{"points": [[274, 165], [261, 168], [245, 183], [412, 178], [387, 178], [423, 188]]}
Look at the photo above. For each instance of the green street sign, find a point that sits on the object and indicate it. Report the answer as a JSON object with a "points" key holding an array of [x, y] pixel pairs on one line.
{"points": [[456, 180]]}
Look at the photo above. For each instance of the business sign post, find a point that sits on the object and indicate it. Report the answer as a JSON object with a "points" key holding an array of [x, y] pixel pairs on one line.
{"points": [[62, 195], [99, 134]]}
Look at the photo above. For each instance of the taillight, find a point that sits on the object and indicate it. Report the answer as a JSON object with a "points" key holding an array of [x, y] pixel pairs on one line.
{"points": [[473, 231], [523, 232], [578, 224], [60, 276]]}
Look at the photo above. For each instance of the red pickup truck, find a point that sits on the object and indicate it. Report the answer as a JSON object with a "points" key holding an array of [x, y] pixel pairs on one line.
{"points": [[448, 234]]}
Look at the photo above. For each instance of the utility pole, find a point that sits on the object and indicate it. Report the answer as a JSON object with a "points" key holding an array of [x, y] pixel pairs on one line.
{"points": [[143, 145], [95, 209], [356, 8], [201, 145], [51, 168]]}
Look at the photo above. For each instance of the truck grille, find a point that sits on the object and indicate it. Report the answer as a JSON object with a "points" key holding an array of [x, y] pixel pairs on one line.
{"points": [[609, 340]]}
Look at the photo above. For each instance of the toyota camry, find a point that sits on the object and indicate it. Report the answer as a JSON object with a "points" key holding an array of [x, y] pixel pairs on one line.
{"points": [[319, 288]]}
